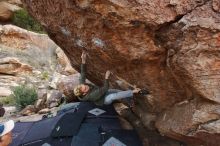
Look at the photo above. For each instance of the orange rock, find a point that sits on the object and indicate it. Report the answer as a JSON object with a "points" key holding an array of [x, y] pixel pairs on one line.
{"points": [[6, 10], [13, 66]]}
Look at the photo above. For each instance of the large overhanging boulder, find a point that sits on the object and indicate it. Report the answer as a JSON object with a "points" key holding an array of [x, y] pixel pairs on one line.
{"points": [[170, 47]]}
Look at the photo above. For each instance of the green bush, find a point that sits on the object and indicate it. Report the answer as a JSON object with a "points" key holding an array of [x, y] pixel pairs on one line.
{"points": [[24, 96], [7, 100], [24, 20]]}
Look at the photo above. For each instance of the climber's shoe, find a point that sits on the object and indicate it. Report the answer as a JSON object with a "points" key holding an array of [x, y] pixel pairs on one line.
{"points": [[143, 92]]}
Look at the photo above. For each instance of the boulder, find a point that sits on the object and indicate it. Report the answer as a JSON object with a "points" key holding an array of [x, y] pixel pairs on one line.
{"points": [[4, 92], [64, 62], [28, 110], [6, 10], [42, 98], [8, 81], [42, 94], [5, 13], [216, 5], [44, 111], [54, 98], [26, 57], [198, 121], [40, 104], [170, 47], [15, 2], [13, 66], [21, 39], [55, 79]]}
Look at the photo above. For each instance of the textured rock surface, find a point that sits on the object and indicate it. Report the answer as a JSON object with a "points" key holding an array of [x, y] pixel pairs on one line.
{"points": [[28, 110], [13, 66], [15, 37], [4, 92], [7, 8], [170, 47], [192, 119], [54, 98], [42, 98], [64, 62], [28, 57], [216, 5], [194, 58], [19, 47]]}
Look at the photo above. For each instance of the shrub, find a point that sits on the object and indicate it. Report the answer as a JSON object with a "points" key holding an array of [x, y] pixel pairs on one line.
{"points": [[24, 96], [7, 100], [24, 20], [45, 75]]}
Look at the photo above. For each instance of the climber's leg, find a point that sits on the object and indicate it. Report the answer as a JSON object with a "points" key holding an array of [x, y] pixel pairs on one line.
{"points": [[112, 96]]}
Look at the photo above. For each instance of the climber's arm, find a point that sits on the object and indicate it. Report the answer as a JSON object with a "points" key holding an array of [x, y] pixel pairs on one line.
{"points": [[83, 68], [100, 92]]}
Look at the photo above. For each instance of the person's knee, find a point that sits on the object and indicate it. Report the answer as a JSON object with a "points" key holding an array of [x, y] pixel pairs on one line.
{"points": [[108, 100]]}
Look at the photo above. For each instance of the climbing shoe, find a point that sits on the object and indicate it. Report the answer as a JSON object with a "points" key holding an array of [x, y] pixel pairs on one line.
{"points": [[143, 92]]}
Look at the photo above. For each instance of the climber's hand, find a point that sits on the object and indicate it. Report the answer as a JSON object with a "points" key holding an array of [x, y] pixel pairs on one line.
{"points": [[83, 56], [136, 90], [107, 74]]}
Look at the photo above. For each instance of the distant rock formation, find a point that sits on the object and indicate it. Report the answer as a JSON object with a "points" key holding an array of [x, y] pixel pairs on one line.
{"points": [[12, 66], [33, 59], [7, 8], [64, 62]]}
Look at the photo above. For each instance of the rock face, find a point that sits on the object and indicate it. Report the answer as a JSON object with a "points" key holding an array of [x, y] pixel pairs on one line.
{"points": [[64, 62], [54, 98], [7, 8], [4, 92], [192, 119], [170, 47], [28, 57], [22, 54], [12, 66]]}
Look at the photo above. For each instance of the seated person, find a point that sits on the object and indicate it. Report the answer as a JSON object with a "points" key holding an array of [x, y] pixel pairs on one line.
{"points": [[99, 95], [5, 133]]}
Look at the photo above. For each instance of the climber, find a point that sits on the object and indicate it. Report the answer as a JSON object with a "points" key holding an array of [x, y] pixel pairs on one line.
{"points": [[5, 133], [99, 95]]}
